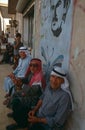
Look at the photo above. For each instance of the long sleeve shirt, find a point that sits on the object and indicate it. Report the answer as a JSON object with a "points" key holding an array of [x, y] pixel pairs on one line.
{"points": [[22, 67], [55, 107]]}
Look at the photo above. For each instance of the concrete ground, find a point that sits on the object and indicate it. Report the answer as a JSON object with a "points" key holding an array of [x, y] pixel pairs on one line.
{"points": [[5, 69], [4, 120]]}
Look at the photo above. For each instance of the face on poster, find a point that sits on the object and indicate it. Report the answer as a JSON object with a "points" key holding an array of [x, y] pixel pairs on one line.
{"points": [[59, 10], [56, 25]]}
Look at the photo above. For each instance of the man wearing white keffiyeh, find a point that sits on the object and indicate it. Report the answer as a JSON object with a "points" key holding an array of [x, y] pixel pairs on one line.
{"points": [[54, 105], [21, 69], [59, 72]]}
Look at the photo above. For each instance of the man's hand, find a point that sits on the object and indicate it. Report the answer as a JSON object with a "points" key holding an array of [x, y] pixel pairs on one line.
{"points": [[31, 113], [33, 119], [18, 83], [11, 75]]}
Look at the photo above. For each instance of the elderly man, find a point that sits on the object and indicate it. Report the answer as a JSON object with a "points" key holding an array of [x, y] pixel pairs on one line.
{"points": [[54, 105], [21, 69]]}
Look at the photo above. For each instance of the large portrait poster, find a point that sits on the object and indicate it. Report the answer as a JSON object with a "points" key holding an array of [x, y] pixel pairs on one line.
{"points": [[56, 28]]}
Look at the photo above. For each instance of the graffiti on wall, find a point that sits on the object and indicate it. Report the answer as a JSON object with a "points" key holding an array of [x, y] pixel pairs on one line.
{"points": [[59, 9], [56, 25], [48, 66]]}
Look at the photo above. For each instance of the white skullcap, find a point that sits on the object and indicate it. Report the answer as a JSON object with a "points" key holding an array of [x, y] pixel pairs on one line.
{"points": [[58, 71], [24, 49]]}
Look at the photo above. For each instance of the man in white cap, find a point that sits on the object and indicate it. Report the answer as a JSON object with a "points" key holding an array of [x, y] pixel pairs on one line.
{"points": [[21, 69], [54, 105]]}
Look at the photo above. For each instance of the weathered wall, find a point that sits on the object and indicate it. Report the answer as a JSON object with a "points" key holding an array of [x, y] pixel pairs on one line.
{"points": [[52, 39], [19, 18], [37, 22], [76, 61], [77, 64], [55, 33]]}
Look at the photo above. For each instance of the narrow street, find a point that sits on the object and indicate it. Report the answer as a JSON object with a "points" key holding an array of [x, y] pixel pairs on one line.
{"points": [[4, 120]]}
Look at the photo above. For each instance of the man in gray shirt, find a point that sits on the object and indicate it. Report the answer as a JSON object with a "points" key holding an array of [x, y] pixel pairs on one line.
{"points": [[54, 105]]}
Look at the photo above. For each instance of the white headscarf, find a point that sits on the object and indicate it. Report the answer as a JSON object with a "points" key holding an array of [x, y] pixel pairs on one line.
{"points": [[24, 49], [58, 71]]}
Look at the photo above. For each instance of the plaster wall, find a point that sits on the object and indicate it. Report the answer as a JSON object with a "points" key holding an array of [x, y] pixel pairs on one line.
{"points": [[76, 61], [25, 31], [77, 65], [37, 21], [19, 18]]}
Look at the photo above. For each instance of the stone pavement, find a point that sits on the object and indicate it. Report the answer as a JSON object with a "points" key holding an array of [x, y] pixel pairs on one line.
{"points": [[5, 69]]}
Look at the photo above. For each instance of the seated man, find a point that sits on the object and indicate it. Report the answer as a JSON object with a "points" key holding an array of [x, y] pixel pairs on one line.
{"points": [[25, 99], [8, 54], [54, 105], [20, 71]]}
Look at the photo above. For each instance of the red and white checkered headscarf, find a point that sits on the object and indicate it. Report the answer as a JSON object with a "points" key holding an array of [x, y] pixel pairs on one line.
{"points": [[38, 77]]}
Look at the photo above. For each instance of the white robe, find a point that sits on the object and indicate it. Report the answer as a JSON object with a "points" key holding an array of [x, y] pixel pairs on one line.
{"points": [[18, 72]]}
